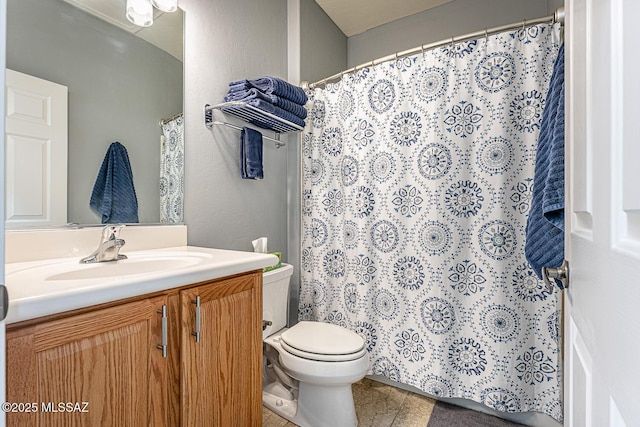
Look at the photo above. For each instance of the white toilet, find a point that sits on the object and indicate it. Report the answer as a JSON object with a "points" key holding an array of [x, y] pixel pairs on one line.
{"points": [[308, 369]]}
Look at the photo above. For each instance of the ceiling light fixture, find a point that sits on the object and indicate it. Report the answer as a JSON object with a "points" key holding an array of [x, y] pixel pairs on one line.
{"points": [[140, 12], [165, 5]]}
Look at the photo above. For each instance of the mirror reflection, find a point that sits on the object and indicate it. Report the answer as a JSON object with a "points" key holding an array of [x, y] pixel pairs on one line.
{"points": [[121, 86]]}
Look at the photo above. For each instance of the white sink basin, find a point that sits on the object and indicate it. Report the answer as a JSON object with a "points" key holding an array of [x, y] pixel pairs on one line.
{"points": [[121, 268], [140, 263], [40, 288]]}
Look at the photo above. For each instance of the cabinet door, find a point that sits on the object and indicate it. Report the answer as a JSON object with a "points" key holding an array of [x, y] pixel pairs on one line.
{"points": [[221, 378], [107, 358]]}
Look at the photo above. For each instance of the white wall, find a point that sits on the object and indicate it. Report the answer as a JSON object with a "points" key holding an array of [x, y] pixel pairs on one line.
{"points": [[451, 19]]}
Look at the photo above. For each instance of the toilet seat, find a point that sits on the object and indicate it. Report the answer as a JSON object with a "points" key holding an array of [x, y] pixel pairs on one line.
{"points": [[323, 342]]}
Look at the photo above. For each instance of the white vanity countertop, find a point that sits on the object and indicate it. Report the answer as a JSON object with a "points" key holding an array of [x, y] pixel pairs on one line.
{"points": [[41, 288]]}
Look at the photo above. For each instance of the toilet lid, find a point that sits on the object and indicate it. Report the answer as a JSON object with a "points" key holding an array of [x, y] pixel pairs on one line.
{"points": [[323, 339]]}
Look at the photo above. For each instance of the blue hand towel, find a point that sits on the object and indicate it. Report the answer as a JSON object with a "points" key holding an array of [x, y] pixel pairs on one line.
{"points": [[253, 93], [273, 85], [270, 108], [113, 195], [544, 246], [251, 154]]}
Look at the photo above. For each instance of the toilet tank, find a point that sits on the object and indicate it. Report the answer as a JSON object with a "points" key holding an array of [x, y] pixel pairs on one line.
{"points": [[275, 298]]}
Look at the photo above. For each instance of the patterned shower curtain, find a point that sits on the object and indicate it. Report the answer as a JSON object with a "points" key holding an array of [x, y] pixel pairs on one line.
{"points": [[417, 184], [172, 172]]}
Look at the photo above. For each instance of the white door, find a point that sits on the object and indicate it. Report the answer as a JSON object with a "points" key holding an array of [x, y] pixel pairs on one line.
{"points": [[36, 151], [602, 303]]}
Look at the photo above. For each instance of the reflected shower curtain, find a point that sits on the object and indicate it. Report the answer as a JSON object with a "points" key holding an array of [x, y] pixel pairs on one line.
{"points": [[417, 183], [172, 172]]}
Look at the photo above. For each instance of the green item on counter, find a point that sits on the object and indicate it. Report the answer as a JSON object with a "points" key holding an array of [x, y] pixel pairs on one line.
{"points": [[278, 265]]}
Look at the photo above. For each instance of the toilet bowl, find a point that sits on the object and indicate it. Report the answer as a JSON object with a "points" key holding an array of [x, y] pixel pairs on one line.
{"points": [[308, 369]]}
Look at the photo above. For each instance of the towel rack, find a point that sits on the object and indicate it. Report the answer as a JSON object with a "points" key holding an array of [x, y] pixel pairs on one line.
{"points": [[250, 114]]}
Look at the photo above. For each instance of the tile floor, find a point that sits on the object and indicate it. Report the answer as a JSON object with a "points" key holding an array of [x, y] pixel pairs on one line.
{"points": [[377, 405]]}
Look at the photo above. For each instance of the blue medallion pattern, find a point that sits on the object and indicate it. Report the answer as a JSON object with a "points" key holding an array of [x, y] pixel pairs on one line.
{"points": [[405, 129], [385, 304], [408, 273], [349, 170], [467, 357], [381, 96], [525, 111], [417, 183], [438, 315], [435, 238], [500, 323], [382, 167], [385, 367], [434, 161], [495, 156], [407, 201], [410, 346], [432, 84], [364, 134], [534, 366], [498, 239], [495, 72], [437, 386], [464, 199], [467, 278], [463, 119], [385, 236], [500, 399]]}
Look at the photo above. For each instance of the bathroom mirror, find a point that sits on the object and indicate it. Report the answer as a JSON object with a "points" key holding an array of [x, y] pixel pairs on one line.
{"points": [[120, 86]]}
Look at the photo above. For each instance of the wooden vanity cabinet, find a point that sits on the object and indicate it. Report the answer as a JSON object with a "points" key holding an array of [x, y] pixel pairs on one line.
{"points": [[221, 383], [108, 356]]}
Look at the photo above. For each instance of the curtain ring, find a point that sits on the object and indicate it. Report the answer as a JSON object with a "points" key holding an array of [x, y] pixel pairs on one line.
{"points": [[486, 36], [524, 23]]}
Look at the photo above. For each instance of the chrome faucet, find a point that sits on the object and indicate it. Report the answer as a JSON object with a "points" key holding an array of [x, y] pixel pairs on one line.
{"points": [[109, 246]]}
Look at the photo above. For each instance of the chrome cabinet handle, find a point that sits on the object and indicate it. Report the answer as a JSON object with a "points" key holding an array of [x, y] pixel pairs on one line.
{"points": [[561, 273], [163, 346], [197, 332]]}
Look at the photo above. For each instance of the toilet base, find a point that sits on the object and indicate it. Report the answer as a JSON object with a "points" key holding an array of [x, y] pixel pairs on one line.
{"points": [[276, 398], [316, 406]]}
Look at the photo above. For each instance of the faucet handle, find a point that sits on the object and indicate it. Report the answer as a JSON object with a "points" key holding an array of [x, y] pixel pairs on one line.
{"points": [[111, 231]]}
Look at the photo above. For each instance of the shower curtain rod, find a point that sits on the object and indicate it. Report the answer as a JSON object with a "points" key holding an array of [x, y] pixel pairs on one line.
{"points": [[165, 121], [558, 16]]}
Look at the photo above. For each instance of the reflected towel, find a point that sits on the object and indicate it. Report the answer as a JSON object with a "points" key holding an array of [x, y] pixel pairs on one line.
{"points": [[544, 246], [113, 195], [272, 85], [251, 154], [253, 93]]}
